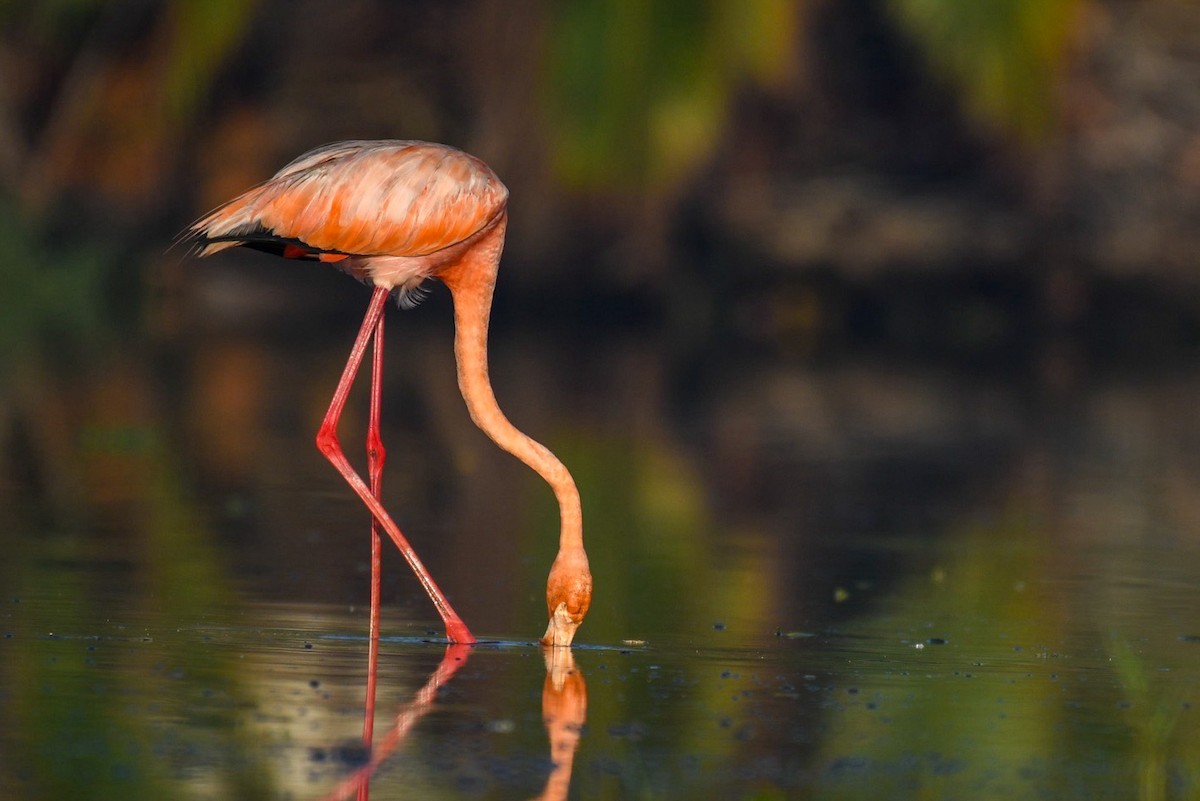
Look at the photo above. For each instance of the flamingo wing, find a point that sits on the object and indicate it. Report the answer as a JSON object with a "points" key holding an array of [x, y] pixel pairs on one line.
{"points": [[362, 198]]}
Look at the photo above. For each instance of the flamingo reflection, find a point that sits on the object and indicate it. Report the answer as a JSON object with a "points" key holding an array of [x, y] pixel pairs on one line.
{"points": [[357, 783], [564, 711]]}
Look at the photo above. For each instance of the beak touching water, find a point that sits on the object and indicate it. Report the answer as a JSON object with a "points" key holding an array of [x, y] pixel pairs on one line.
{"points": [[561, 629]]}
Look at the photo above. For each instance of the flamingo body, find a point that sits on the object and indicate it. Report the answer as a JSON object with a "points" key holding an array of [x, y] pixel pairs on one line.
{"points": [[389, 212], [394, 213]]}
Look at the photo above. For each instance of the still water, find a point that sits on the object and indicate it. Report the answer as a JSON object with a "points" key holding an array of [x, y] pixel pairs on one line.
{"points": [[837, 578]]}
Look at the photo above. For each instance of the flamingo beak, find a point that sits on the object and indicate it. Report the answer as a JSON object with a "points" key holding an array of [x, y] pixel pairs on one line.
{"points": [[561, 629]]}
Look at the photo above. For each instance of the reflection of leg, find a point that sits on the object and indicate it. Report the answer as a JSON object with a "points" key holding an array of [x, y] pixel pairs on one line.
{"points": [[327, 442], [376, 456], [455, 657]]}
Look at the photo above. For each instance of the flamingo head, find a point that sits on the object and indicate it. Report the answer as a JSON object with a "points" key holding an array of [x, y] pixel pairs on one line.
{"points": [[568, 596]]}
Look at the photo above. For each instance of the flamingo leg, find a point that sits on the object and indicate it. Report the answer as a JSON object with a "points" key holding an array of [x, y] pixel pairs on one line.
{"points": [[327, 443], [376, 456]]}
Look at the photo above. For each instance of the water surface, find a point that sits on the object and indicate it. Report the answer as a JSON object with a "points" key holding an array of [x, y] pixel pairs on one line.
{"points": [[815, 579]]}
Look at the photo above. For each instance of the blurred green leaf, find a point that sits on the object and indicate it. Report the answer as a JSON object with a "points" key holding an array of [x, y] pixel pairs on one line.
{"points": [[639, 91], [204, 33], [1002, 56]]}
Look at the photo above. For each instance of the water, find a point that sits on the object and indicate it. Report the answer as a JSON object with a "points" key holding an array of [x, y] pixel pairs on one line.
{"points": [[847, 578]]}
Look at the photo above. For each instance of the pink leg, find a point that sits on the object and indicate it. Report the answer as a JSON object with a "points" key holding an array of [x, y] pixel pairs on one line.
{"points": [[376, 456], [327, 443]]}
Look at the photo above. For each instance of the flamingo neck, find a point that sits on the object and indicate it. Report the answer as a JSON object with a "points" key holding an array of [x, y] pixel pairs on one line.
{"points": [[471, 284]]}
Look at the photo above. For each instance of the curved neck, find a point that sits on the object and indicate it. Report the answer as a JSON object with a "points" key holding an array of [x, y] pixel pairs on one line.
{"points": [[471, 283]]}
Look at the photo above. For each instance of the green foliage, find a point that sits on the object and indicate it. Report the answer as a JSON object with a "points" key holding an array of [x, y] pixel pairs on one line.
{"points": [[203, 34], [59, 292], [638, 91], [1002, 56]]}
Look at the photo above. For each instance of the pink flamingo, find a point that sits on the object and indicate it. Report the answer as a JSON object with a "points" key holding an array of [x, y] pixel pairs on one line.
{"points": [[393, 214]]}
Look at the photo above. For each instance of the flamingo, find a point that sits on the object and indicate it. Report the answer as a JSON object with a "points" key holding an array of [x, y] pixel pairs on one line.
{"points": [[394, 214]]}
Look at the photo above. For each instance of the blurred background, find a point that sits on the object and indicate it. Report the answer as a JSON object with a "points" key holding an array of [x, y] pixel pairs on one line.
{"points": [[817, 298], [949, 179]]}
